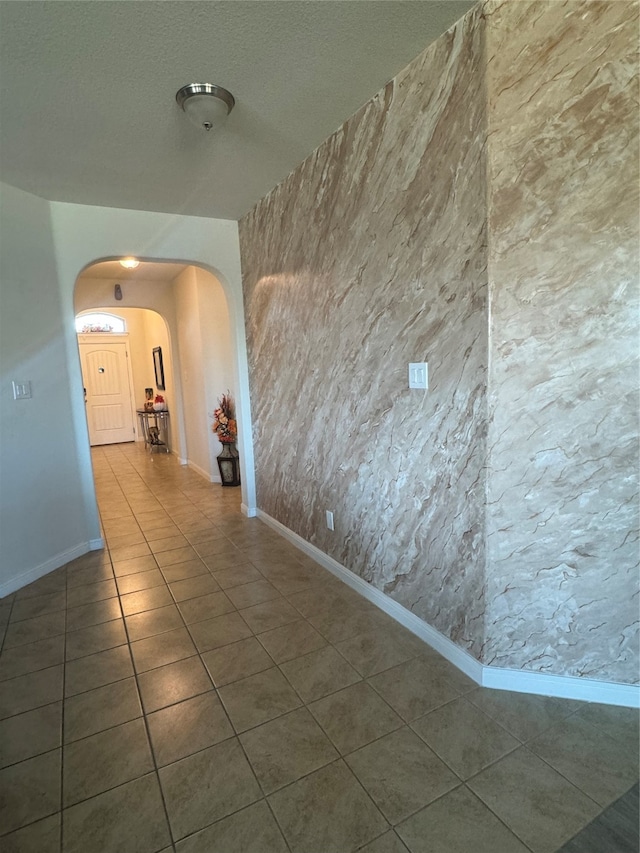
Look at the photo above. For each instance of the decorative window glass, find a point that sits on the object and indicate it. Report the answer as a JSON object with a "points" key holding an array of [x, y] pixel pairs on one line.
{"points": [[86, 323]]}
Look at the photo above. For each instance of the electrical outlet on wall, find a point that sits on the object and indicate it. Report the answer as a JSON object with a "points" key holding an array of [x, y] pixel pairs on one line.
{"points": [[329, 517]]}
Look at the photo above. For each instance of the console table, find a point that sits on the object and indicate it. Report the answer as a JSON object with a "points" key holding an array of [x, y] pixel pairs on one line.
{"points": [[155, 429]]}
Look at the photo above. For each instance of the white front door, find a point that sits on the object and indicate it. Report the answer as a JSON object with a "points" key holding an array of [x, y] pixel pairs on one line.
{"points": [[106, 377]]}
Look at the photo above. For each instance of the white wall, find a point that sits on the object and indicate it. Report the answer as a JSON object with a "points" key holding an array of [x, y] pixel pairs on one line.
{"points": [[84, 234], [206, 362], [45, 447], [38, 458]]}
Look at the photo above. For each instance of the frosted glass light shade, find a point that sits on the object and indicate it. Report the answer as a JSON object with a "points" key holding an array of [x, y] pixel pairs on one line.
{"points": [[206, 105]]}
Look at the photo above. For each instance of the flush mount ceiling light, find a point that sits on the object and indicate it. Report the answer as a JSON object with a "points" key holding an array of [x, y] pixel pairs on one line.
{"points": [[129, 263], [205, 104]]}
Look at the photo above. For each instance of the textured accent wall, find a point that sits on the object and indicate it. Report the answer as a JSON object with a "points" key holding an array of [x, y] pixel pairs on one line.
{"points": [[481, 214], [370, 255], [562, 592]]}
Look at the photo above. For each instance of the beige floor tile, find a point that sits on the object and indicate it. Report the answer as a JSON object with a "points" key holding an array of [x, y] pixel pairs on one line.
{"points": [[167, 543], [236, 575], [38, 605], [327, 811], [54, 582], [32, 630], [162, 649], [145, 599], [251, 830], [464, 737], [269, 614], [153, 622], [291, 641], [209, 534], [95, 638], [538, 804], [319, 599], [252, 593], [175, 555], [104, 760], [89, 575], [128, 552], [355, 716], [600, 766], [173, 683], [129, 817], [523, 715], [100, 709], [26, 692], [179, 571], [412, 688], [126, 539], [401, 774], [93, 614], [207, 786], [238, 660], [387, 843], [619, 723], [287, 748], [187, 588], [319, 673], [22, 660], [205, 607], [188, 727], [42, 836], [30, 790], [455, 823], [219, 631], [139, 581], [257, 699], [87, 593], [93, 671], [31, 733], [217, 551], [134, 566], [374, 652]]}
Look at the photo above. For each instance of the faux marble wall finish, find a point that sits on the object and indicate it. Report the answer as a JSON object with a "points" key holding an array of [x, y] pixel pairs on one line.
{"points": [[371, 255], [562, 582]]}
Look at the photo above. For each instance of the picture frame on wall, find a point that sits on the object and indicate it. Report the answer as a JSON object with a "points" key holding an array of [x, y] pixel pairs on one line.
{"points": [[158, 366]]}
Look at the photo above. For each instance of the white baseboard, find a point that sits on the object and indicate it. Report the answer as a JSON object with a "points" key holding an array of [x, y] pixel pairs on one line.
{"points": [[249, 511], [210, 478], [519, 681], [49, 565], [96, 544]]}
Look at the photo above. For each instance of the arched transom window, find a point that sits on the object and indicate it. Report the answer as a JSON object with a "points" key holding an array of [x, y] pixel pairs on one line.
{"points": [[100, 322]]}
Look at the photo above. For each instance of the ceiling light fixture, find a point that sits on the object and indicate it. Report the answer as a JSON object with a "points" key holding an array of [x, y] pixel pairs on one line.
{"points": [[129, 263], [205, 104]]}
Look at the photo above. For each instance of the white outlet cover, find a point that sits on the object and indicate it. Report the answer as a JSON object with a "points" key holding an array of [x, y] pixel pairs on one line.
{"points": [[21, 390], [419, 375]]}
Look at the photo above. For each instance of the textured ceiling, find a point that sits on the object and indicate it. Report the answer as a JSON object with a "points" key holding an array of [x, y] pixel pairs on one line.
{"points": [[87, 109]]}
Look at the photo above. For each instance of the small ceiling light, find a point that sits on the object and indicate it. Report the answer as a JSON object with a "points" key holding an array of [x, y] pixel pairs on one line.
{"points": [[129, 263], [205, 104]]}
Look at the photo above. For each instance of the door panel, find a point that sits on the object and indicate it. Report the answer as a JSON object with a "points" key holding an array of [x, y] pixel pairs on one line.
{"points": [[105, 374]]}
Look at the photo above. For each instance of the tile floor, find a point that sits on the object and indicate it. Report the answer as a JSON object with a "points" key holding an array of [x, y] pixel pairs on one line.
{"points": [[203, 687]]}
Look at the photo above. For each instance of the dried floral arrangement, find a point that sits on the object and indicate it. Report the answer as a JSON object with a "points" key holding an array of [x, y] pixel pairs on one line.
{"points": [[225, 425]]}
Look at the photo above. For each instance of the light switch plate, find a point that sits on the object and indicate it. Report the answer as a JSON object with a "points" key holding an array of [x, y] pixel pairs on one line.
{"points": [[419, 375], [21, 390]]}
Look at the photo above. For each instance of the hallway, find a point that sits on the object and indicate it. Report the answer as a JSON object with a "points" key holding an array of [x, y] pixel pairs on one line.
{"points": [[201, 686]]}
